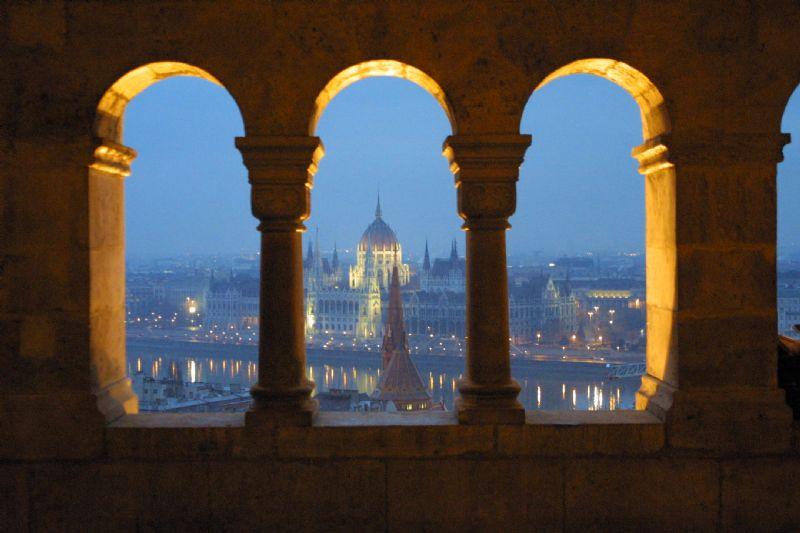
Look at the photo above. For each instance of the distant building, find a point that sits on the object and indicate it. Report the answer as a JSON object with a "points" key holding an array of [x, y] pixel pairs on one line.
{"points": [[439, 313], [232, 304], [400, 387], [178, 296], [344, 400], [435, 299], [788, 310], [355, 307], [445, 275], [541, 309], [176, 396]]}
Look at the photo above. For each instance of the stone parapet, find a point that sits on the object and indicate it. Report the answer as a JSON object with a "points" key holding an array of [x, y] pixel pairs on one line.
{"points": [[559, 471]]}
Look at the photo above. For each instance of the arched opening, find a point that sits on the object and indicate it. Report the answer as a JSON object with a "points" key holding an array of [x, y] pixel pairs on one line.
{"points": [[788, 255], [388, 68], [383, 205], [579, 305], [164, 201]]}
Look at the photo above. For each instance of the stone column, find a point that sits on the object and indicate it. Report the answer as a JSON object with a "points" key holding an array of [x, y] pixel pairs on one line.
{"points": [[112, 386], [721, 333], [486, 168], [281, 171]]}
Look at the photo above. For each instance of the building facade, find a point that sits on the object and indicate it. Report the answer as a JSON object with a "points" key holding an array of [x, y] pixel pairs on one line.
{"points": [[434, 297], [353, 306], [232, 304]]}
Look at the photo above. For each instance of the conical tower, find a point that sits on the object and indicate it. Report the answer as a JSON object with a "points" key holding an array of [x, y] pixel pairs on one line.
{"points": [[400, 385], [394, 333], [426, 263]]}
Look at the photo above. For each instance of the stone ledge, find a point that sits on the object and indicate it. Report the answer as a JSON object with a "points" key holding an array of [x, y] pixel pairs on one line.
{"points": [[583, 433], [179, 420], [384, 435]]}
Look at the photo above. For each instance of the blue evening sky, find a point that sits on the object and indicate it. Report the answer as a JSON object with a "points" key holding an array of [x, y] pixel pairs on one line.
{"points": [[578, 191]]}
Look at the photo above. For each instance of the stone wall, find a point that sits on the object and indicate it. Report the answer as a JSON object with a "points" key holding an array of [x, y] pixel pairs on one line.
{"points": [[714, 447]]}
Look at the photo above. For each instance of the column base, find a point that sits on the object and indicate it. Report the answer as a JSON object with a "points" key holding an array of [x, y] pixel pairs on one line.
{"points": [[117, 399], [489, 404], [281, 417], [730, 420], [281, 407], [654, 396]]}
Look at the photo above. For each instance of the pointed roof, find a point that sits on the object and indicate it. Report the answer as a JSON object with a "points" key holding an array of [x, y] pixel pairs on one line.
{"points": [[335, 260], [378, 207], [400, 381], [453, 252], [394, 334], [426, 263]]}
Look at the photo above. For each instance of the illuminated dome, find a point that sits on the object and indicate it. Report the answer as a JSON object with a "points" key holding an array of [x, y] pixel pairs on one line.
{"points": [[378, 234]]}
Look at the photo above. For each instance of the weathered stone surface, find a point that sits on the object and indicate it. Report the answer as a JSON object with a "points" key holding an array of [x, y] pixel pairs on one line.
{"points": [[14, 503], [335, 495], [641, 495], [474, 495], [730, 421], [760, 495], [381, 441], [119, 496], [575, 434], [50, 427]]}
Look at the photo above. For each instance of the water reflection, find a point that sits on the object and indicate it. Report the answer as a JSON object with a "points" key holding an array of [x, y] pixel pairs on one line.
{"points": [[545, 385]]}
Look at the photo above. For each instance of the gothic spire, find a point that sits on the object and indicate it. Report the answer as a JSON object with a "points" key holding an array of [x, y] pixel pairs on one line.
{"points": [[426, 263], [335, 260], [309, 255], [453, 252], [394, 336], [317, 258], [378, 207]]}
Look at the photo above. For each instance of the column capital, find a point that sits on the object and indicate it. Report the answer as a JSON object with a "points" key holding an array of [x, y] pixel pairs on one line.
{"points": [[281, 172], [653, 156], [712, 147], [113, 159], [492, 157], [281, 158], [486, 168]]}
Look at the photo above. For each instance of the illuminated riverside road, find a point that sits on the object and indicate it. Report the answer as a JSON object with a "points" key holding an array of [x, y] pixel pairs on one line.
{"points": [[546, 384]]}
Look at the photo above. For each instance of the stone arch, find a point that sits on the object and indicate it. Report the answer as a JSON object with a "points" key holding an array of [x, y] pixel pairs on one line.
{"points": [[108, 123], [374, 68], [111, 164], [655, 119], [661, 377]]}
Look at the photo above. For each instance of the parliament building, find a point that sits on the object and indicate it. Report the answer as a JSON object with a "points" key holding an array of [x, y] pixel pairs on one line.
{"points": [[355, 304]]}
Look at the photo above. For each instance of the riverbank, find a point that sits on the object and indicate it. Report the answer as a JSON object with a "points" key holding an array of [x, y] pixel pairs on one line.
{"points": [[250, 352]]}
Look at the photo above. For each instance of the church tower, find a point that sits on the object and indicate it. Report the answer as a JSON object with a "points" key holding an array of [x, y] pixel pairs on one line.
{"points": [[400, 387], [394, 333]]}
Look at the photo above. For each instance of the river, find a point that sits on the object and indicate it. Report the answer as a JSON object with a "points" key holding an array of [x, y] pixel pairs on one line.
{"points": [[546, 385]]}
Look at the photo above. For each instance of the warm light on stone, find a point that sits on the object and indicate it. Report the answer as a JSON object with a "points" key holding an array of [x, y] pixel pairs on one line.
{"points": [[378, 67]]}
